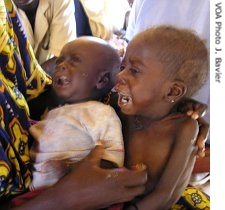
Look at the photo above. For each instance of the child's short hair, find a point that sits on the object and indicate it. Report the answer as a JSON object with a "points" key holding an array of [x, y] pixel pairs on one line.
{"points": [[184, 53]]}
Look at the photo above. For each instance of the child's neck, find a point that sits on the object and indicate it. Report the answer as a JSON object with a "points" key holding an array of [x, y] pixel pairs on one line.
{"points": [[143, 122], [140, 122], [61, 102]]}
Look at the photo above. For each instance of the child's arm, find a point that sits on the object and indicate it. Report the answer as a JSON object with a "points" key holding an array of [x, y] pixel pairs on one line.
{"points": [[176, 174]]}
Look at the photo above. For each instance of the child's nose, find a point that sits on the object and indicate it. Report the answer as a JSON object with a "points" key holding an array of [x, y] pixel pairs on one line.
{"points": [[61, 66], [120, 78], [121, 75]]}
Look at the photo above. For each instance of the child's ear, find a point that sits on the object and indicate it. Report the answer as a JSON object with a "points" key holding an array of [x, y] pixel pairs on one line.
{"points": [[176, 91], [103, 80]]}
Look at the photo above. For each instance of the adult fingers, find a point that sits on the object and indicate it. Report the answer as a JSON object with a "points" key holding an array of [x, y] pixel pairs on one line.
{"points": [[198, 110], [96, 154], [202, 136], [129, 177]]}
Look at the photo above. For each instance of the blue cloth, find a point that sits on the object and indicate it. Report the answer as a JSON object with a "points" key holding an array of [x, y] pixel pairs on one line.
{"points": [[82, 23], [21, 78]]}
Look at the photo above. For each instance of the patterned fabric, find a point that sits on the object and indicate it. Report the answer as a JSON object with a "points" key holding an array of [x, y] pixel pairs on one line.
{"points": [[21, 78], [192, 199], [21, 75]]}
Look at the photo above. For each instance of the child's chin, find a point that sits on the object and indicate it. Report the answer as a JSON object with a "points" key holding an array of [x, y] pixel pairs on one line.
{"points": [[126, 111]]}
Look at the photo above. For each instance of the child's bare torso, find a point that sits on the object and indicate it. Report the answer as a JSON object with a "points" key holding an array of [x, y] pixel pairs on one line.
{"points": [[152, 146]]}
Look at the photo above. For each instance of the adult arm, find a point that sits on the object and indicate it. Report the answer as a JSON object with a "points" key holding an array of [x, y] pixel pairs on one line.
{"points": [[90, 187]]}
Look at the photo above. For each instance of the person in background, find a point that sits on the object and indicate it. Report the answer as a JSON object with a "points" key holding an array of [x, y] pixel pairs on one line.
{"points": [[106, 17], [49, 25], [191, 14], [82, 22]]}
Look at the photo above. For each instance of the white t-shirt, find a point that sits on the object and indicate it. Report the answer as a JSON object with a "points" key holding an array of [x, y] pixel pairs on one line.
{"points": [[182, 13]]}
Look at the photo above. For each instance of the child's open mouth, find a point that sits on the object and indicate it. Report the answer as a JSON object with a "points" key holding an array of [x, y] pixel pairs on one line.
{"points": [[123, 99], [62, 80]]}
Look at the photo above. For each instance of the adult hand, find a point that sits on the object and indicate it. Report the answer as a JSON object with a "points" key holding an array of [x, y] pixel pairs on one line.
{"points": [[192, 108], [202, 136], [197, 110], [98, 188], [88, 186]]}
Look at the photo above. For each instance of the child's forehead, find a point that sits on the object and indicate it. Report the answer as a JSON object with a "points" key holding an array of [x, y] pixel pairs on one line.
{"points": [[82, 48], [79, 45], [142, 49]]}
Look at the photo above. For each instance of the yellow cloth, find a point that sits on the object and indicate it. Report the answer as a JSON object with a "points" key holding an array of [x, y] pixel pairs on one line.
{"points": [[21, 78], [193, 199]]}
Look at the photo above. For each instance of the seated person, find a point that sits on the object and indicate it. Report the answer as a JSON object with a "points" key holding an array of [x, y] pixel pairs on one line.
{"points": [[82, 23], [21, 82], [43, 21], [68, 133], [106, 17], [162, 65]]}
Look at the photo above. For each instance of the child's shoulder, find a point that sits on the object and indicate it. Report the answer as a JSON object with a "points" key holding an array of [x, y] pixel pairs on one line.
{"points": [[181, 120], [180, 126], [186, 122], [185, 127]]}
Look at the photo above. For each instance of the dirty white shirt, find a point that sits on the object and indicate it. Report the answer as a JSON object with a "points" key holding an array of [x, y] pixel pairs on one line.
{"points": [[69, 133]]}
